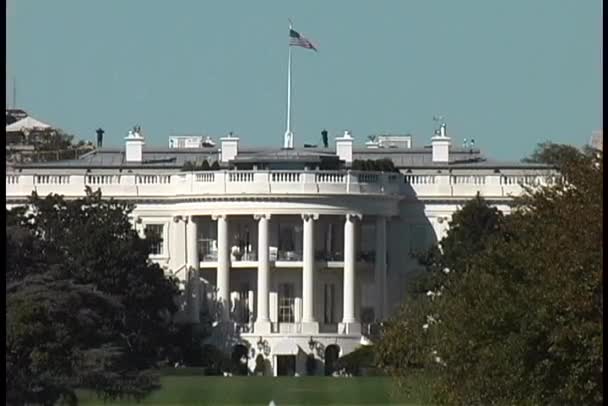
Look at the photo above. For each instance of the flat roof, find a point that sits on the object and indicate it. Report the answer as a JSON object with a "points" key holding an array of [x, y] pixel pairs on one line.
{"points": [[171, 158]]}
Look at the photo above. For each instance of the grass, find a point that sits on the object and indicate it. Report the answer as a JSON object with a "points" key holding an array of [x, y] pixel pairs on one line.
{"points": [[210, 390]]}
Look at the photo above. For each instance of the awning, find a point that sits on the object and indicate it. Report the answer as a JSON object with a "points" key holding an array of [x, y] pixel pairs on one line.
{"points": [[285, 347], [28, 124]]}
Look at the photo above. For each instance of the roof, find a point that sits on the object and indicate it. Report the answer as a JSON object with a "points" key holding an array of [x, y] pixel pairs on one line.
{"points": [[169, 158], [27, 124], [285, 155], [115, 158], [13, 115]]}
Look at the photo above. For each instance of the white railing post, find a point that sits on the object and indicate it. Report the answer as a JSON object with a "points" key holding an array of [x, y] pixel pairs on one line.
{"points": [[308, 180], [348, 180]]}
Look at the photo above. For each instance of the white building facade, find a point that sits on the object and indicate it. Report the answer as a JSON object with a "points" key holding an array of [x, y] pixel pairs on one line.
{"points": [[290, 251]]}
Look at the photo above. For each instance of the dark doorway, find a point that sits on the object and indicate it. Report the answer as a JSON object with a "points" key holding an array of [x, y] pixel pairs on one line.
{"points": [[286, 365], [240, 358], [332, 353]]}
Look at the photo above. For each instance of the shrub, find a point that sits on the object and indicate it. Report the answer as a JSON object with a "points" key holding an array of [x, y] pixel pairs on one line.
{"points": [[259, 365], [358, 362], [188, 166], [380, 165], [214, 360], [311, 365], [203, 166]]}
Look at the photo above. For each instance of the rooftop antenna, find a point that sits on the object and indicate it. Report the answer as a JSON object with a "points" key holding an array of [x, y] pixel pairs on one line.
{"points": [[14, 92], [437, 119], [442, 130]]}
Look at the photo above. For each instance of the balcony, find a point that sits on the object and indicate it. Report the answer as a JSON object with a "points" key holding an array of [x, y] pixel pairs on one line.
{"points": [[329, 256], [290, 256], [232, 182], [203, 183]]}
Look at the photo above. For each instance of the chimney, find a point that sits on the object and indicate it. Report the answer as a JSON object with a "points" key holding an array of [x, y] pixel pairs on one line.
{"points": [[344, 148], [229, 147], [441, 145], [134, 145]]}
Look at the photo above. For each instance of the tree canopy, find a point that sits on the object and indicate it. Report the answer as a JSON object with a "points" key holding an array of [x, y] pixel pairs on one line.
{"points": [[379, 165], [203, 166], [517, 319], [85, 306]]}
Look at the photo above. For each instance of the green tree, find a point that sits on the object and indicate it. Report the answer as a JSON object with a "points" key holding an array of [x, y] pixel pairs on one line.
{"points": [[380, 165], [470, 231], [188, 166], [53, 329], [88, 248], [559, 155], [519, 319]]}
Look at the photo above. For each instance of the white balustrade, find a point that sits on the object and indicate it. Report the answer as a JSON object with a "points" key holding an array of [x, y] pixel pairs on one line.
{"points": [[240, 177], [468, 179], [419, 179], [367, 178], [51, 179], [102, 180], [329, 177], [12, 179], [153, 179], [20, 185], [285, 177], [528, 180], [205, 177]]}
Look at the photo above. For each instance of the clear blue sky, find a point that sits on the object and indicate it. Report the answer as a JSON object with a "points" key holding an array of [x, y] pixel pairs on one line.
{"points": [[509, 74]]}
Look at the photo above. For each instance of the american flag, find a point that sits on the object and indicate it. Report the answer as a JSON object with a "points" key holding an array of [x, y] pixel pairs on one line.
{"points": [[295, 39]]}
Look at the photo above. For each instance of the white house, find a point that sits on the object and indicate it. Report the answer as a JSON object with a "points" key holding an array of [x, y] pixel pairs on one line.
{"points": [[294, 252]]}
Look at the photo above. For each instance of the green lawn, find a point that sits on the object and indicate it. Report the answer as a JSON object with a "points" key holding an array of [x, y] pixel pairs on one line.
{"points": [[208, 390]]}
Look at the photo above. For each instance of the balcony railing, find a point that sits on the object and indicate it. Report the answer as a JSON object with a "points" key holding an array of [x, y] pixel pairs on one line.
{"points": [[228, 182], [329, 256], [289, 256]]}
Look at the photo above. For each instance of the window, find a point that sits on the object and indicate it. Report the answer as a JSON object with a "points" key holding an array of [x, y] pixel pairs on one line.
{"points": [[286, 237], [243, 314], [207, 240], [367, 315], [286, 303], [156, 232], [329, 303]]}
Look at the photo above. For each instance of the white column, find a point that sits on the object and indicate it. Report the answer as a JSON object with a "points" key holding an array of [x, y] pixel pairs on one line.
{"points": [[380, 268], [309, 324], [223, 266], [349, 323], [192, 244], [262, 321], [192, 264]]}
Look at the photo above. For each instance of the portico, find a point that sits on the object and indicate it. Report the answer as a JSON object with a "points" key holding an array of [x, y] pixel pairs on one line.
{"points": [[300, 285]]}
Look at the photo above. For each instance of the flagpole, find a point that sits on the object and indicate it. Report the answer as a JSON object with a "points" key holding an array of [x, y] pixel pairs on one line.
{"points": [[288, 139]]}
